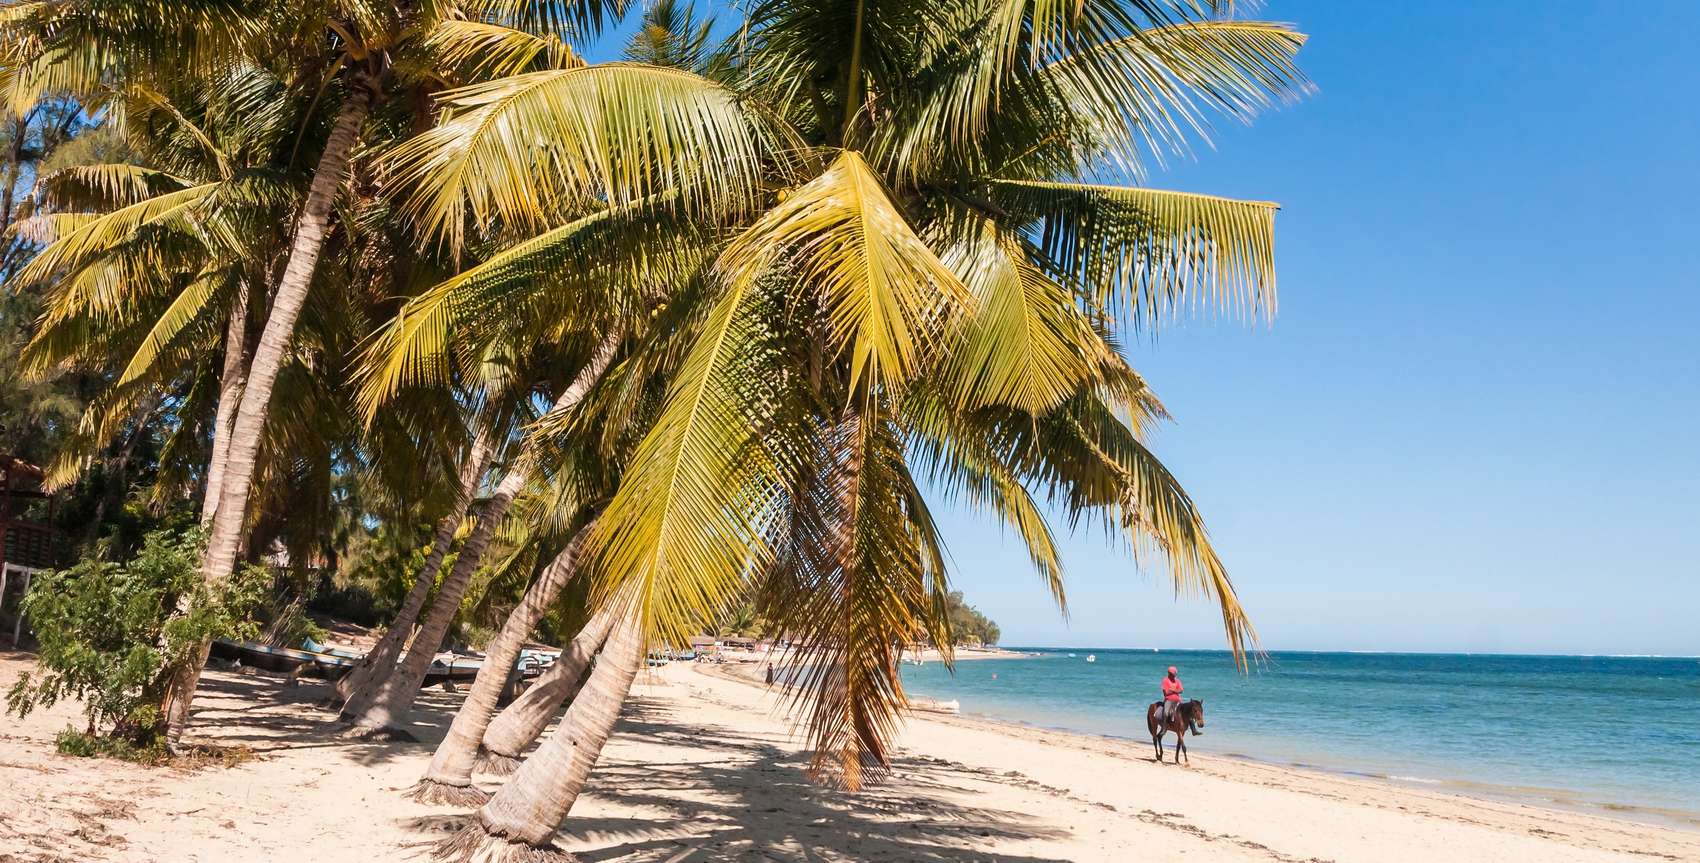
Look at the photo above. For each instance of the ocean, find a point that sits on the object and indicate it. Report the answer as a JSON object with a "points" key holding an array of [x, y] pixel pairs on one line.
{"points": [[1619, 733]]}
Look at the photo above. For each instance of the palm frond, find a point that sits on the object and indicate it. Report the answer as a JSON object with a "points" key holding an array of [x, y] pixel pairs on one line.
{"points": [[1152, 253], [72, 249], [887, 297], [1027, 345], [683, 529], [524, 149], [105, 186], [1149, 90], [966, 463], [480, 49], [1095, 465], [585, 268], [192, 302]]}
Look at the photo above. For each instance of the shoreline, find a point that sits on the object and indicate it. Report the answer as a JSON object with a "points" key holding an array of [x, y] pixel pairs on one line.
{"points": [[1561, 799], [706, 766], [1557, 799], [1520, 753]]}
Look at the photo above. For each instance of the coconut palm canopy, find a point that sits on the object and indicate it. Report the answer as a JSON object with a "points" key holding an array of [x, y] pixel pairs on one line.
{"points": [[892, 247], [786, 289]]}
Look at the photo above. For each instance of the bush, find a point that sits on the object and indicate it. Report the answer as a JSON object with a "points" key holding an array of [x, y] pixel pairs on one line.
{"points": [[351, 602], [111, 635], [81, 745]]}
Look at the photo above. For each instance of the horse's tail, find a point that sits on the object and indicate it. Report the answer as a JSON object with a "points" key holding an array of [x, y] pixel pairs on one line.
{"points": [[1151, 719]]}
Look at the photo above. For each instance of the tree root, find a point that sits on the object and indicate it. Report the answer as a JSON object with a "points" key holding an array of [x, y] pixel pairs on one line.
{"points": [[474, 844], [434, 793], [497, 764]]}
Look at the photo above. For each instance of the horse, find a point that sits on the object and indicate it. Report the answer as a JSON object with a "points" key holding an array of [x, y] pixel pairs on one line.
{"points": [[1187, 714]]}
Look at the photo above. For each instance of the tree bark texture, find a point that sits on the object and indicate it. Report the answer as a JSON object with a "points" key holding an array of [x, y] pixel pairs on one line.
{"points": [[248, 426]]}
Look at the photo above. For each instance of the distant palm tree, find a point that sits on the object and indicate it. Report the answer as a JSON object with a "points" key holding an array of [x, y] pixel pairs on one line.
{"points": [[893, 240]]}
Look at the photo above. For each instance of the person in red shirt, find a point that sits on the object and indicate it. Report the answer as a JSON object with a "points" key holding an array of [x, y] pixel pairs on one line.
{"points": [[1171, 694]]}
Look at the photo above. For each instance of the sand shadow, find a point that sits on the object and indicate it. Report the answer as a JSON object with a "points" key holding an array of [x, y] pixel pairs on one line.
{"points": [[739, 795], [261, 710]]}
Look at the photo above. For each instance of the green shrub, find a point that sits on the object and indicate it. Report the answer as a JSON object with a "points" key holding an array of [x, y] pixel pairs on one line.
{"points": [[81, 745], [111, 635], [351, 602]]}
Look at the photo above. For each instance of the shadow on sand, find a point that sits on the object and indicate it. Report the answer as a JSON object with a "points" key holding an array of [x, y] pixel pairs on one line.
{"points": [[739, 795], [719, 794], [257, 709]]}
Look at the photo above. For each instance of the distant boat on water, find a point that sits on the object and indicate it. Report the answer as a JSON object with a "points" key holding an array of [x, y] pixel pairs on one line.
{"points": [[1091, 657]]}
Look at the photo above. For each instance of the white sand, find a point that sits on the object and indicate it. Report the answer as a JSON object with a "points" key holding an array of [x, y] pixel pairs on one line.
{"points": [[703, 769]]}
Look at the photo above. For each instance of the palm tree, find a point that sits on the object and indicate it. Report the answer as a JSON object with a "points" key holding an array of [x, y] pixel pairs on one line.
{"points": [[449, 777], [920, 240], [384, 706], [355, 56], [379, 662], [141, 293]]}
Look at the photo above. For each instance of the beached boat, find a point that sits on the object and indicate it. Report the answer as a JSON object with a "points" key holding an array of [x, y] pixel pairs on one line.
{"points": [[312, 646], [452, 668], [284, 659], [934, 705]]}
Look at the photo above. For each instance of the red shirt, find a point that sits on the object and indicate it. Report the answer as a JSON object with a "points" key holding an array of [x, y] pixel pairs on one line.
{"points": [[1171, 689]]}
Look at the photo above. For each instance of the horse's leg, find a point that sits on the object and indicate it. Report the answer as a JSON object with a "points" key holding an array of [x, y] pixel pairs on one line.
{"points": [[1157, 744], [1183, 753]]}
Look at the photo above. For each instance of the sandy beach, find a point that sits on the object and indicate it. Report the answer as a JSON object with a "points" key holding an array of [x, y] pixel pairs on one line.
{"points": [[702, 768]]}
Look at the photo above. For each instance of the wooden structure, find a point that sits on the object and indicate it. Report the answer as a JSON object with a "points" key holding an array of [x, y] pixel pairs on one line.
{"points": [[25, 546]]}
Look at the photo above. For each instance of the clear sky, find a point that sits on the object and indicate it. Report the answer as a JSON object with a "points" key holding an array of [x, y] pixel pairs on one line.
{"points": [[1472, 425]]}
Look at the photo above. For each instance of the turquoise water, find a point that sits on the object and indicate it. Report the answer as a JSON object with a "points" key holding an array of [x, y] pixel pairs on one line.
{"points": [[1601, 731]]}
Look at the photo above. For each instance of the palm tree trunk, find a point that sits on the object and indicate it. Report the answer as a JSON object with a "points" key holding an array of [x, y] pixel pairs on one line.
{"points": [[520, 820], [250, 421], [390, 702], [449, 778], [386, 698], [522, 722], [379, 662], [230, 383]]}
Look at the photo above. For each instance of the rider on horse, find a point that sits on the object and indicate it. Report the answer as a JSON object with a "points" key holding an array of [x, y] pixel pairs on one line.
{"points": [[1171, 694]]}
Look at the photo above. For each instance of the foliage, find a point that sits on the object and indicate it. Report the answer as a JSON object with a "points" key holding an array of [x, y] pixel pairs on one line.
{"points": [[853, 252], [967, 623], [80, 744], [109, 636], [745, 621], [899, 246]]}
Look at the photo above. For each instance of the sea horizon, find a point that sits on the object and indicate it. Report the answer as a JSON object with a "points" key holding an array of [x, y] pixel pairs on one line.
{"points": [[1017, 648], [1527, 727]]}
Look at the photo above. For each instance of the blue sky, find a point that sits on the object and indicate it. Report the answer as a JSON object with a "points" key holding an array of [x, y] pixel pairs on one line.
{"points": [[1472, 425]]}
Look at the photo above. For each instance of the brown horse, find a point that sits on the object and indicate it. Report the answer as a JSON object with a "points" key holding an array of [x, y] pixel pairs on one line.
{"points": [[1187, 714]]}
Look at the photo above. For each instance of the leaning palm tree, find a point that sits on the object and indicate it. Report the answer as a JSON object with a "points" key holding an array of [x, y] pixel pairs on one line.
{"points": [[381, 708], [148, 265], [349, 58], [922, 238]]}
